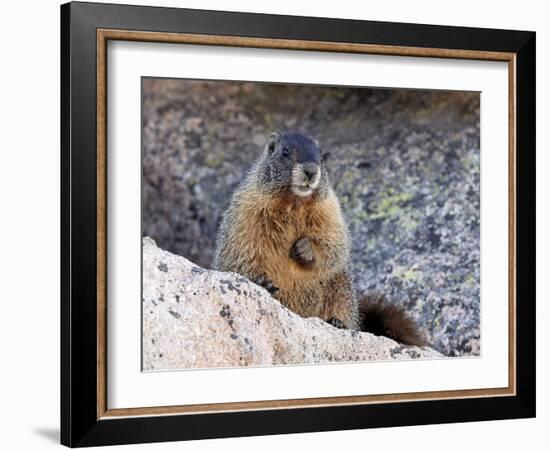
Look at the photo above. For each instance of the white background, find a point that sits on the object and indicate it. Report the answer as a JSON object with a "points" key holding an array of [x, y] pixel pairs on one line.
{"points": [[29, 190], [128, 387]]}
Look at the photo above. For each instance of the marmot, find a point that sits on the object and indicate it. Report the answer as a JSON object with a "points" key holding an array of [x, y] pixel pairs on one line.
{"points": [[284, 230]]}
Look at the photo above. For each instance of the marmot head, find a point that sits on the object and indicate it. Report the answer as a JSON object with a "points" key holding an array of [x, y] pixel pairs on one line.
{"points": [[293, 164]]}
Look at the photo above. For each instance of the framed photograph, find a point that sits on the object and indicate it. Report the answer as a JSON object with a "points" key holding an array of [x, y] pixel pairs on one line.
{"points": [[276, 224]]}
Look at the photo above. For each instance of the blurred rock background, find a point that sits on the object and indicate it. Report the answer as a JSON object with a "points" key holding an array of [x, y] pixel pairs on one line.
{"points": [[404, 163]]}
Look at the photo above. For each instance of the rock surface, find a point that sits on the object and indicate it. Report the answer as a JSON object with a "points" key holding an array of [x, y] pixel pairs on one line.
{"points": [[404, 164], [193, 317]]}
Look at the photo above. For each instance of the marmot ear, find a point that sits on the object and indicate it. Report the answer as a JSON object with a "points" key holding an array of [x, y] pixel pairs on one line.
{"points": [[272, 140], [325, 156]]}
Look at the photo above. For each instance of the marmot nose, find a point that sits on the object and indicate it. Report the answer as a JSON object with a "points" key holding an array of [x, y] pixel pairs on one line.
{"points": [[310, 170]]}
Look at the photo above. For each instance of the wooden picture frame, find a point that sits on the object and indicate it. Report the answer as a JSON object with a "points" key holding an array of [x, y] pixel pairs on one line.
{"points": [[85, 416]]}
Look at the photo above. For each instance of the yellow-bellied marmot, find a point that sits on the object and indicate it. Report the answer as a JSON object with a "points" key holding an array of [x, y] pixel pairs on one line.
{"points": [[284, 229]]}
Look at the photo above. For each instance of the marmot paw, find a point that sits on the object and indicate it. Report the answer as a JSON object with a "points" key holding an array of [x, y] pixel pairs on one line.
{"points": [[267, 285], [336, 323], [302, 251]]}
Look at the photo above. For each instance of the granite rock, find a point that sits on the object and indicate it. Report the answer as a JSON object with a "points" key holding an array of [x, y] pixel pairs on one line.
{"points": [[199, 318]]}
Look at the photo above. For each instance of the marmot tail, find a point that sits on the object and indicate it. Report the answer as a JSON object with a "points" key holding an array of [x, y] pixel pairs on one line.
{"points": [[382, 318]]}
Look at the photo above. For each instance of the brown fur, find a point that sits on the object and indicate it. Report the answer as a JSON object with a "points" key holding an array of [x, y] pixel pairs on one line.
{"points": [[258, 243], [380, 317]]}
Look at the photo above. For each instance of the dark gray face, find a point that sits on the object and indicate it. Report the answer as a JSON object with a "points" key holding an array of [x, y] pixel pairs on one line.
{"points": [[295, 162]]}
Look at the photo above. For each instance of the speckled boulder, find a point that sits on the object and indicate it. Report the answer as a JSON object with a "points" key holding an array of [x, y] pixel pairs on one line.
{"points": [[193, 317]]}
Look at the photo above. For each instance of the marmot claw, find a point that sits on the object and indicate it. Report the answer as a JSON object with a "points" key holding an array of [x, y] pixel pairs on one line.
{"points": [[267, 285], [336, 323]]}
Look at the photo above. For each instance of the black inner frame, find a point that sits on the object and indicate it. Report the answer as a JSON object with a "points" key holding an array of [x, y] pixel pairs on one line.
{"points": [[79, 424]]}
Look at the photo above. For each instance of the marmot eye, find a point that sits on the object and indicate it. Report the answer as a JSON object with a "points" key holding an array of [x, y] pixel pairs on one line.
{"points": [[286, 152]]}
